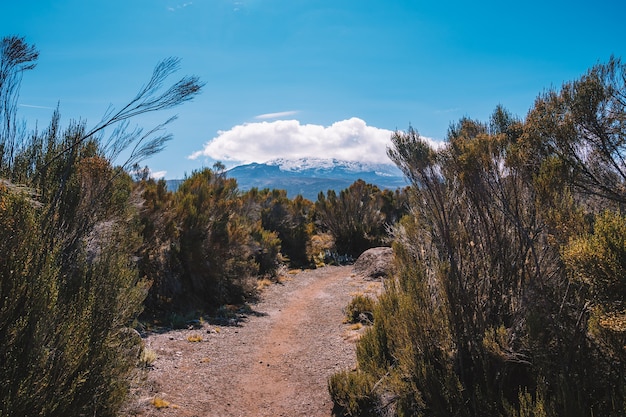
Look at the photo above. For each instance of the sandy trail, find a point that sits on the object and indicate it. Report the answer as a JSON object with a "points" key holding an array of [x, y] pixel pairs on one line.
{"points": [[277, 363]]}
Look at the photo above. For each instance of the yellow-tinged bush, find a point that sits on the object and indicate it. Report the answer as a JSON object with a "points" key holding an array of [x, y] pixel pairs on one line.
{"points": [[159, 403], [352, 393], [598, 259], [360, 308], [147, 357]]}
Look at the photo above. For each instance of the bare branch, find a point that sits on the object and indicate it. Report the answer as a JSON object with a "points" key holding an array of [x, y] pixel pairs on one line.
{"points": [[148, 99], [16, 56]]}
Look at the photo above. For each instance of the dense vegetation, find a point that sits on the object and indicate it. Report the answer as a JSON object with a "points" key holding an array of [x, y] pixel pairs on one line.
{"points": [[86, 245], [509, 286], [359, 216], [206, 244]]}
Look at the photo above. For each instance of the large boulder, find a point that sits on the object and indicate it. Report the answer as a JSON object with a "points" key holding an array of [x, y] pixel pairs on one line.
{"points": [[374, 263]]}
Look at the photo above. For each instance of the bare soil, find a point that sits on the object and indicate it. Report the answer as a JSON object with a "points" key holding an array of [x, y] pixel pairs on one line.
{"points": [[275, 363]]}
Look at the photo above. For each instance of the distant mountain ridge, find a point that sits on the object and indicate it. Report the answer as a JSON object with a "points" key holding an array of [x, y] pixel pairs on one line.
{"points": [[309, 176]]}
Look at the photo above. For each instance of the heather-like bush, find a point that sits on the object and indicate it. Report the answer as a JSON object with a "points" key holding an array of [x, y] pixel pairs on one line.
{"points": [[360, 308], [352, 393], [289, 219], [69, 289], [507, 293], [200, 249], [65, 308], [354, 218]]}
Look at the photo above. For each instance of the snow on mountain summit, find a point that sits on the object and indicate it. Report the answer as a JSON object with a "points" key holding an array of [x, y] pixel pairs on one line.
{"points": [[329, 164]]}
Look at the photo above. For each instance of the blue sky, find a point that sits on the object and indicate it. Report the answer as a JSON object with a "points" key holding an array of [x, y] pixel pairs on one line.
{"points": [[300, 78]]}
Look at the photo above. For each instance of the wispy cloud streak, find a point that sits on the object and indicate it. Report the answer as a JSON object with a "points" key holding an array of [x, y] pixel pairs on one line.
{"points": [[276, 115], [179, 6], [32, 106]]}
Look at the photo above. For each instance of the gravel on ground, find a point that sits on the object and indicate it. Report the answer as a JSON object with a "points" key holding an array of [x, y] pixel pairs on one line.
{"points": [[276, 362]]}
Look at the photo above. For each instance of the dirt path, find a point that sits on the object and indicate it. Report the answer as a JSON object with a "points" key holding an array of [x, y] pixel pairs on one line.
{"points": [[276, 363]]}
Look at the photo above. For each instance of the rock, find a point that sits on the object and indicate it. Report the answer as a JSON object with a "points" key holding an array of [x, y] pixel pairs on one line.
{"points": [[374, 263], [366, 318]]}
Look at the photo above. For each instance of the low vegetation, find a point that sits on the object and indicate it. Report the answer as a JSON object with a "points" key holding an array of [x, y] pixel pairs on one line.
{"points": [[360, 309], [353, 394], [159, 403]]}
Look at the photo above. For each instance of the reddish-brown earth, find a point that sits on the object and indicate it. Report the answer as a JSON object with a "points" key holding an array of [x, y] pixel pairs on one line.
{"points": [[274, 363]]}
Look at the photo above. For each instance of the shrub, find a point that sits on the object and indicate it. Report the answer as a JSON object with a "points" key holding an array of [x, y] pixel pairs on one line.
{"points": [[352, 393], [68, 287], [147, 357], [360, 309], [494, 309], [66, 345], [354, 217], [208, 257], [318, 247]]}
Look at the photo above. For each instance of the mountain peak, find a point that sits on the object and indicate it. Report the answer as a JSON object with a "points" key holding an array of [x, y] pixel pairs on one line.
{"points": [[331, 164], [309, 176]]}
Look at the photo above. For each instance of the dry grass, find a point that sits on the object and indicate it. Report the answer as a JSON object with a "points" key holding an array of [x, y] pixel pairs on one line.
{"points": [[374, 287], [159, 403], [356, 326], [263, 283], [193, 338], [284, 278], [147, 357]]}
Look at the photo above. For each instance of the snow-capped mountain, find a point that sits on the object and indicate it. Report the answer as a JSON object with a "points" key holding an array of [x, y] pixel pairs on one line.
{"points": [[322, 165], [309, 176]]}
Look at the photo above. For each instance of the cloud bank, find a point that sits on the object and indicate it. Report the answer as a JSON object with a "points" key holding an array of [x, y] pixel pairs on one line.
{"points": [[349, 140]]}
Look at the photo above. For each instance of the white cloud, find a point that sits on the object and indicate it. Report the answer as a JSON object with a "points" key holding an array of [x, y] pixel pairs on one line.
{"points": [[350, 140], [152, 174], [157, 174], [277, 115], [33, 106], [179, 6]]}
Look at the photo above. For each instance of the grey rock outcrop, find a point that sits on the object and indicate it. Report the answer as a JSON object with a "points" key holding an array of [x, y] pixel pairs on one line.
{"points": [[374, 263]]}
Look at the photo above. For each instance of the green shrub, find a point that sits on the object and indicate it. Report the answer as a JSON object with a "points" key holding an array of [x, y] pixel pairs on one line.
{"points": [[354, 217], [508, 292], [352, 393], [199, 249], [360, 309], [69, 290], [66, 345]]}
